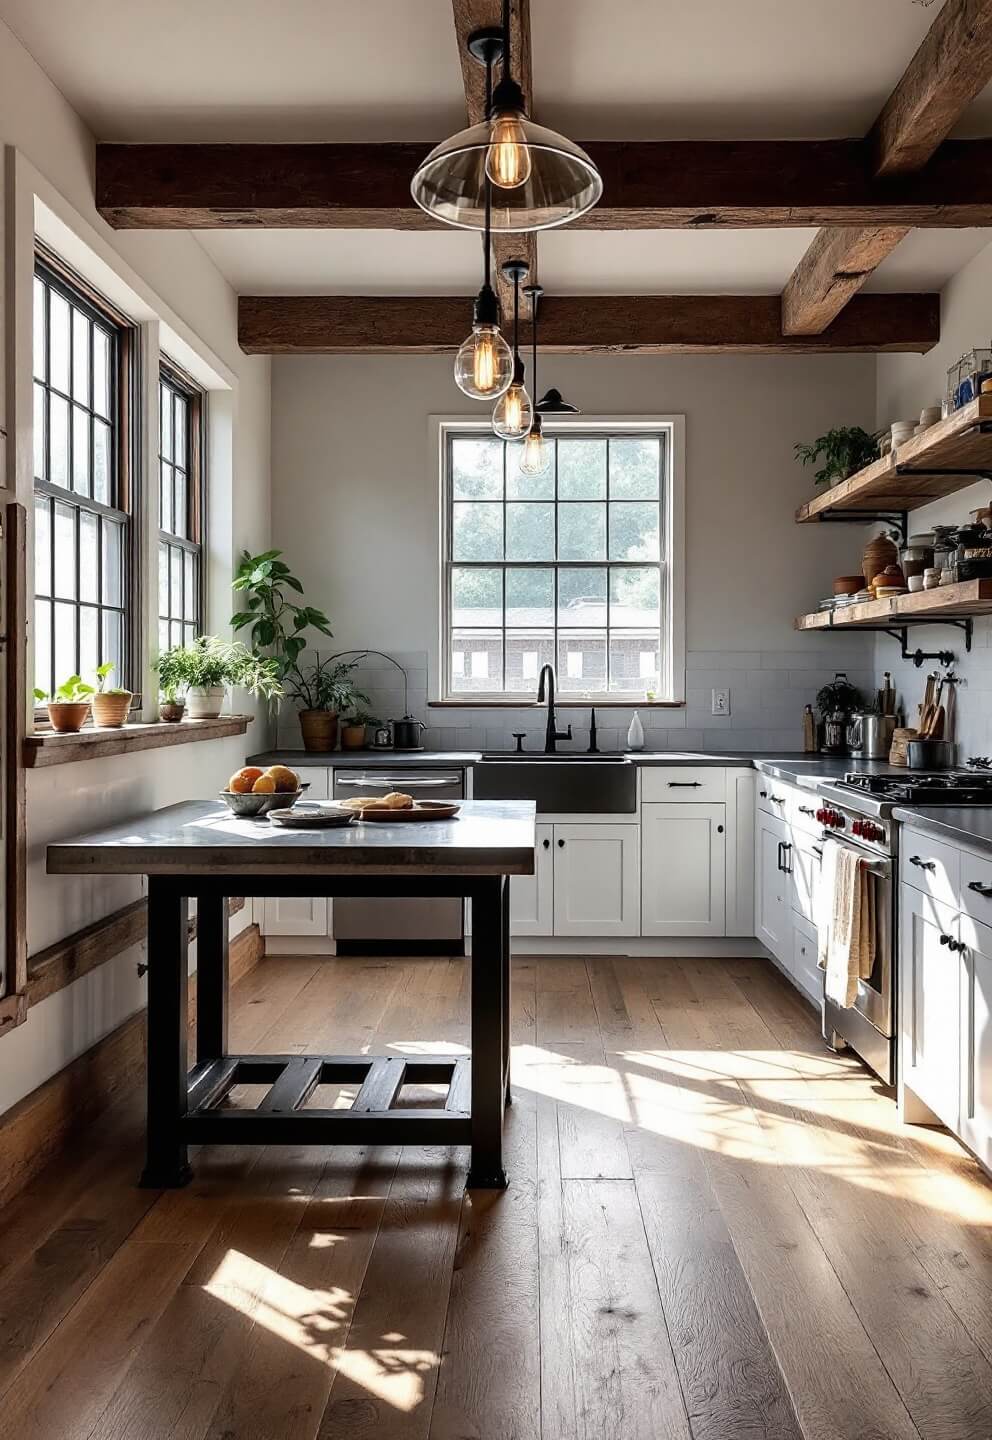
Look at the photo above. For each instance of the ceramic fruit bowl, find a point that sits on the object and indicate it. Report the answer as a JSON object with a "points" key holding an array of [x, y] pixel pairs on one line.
{"points": [[249, 806]]}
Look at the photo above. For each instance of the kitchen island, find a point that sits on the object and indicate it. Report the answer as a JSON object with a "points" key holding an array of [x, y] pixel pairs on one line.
{"points": [[198, 850]]}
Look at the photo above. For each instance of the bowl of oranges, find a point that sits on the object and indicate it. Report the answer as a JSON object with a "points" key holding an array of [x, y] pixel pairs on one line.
{"points": [[252, 792]]}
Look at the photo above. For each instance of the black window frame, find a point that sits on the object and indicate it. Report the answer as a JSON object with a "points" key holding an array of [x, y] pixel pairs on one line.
{"points": [[173, 379]]}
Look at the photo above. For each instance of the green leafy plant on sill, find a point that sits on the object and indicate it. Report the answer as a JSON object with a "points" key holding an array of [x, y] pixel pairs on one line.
{"points": [[210, 661], [843, 451], [326, 685], [362, 717], [104, 673], [277, 624], [73, 691]]}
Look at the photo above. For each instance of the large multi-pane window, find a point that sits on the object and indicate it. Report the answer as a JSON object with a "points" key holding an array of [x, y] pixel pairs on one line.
{"points": [[81, 483], [567, 568], [179, 512]]}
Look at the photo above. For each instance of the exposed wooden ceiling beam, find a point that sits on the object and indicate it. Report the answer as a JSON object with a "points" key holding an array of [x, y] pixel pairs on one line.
{"points": [[641, 324], [953, 63], [471, 15], [681, 184]]}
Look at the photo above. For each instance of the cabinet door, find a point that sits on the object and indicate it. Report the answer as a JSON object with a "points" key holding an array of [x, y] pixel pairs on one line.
{"points": [[683, 869], [596, 880], [295, 915], [930, 1003], [531, 896], [772, 910], [804, 861], [976, 1038]]}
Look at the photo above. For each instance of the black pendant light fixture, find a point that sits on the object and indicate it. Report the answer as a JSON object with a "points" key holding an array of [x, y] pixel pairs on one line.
{"points": [[514, 413], [540, 179], [552, 402], [537, 452]]}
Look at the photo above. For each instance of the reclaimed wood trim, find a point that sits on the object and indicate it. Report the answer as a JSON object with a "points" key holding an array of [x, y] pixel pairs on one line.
{"points": [[54, 968], [15, 963], [647, 185], [573, 324], [837, 264], [38, 1128], [46, 747]]}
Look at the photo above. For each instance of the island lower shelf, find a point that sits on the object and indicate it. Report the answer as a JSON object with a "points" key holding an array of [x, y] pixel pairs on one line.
{"points": [[964, 600]]}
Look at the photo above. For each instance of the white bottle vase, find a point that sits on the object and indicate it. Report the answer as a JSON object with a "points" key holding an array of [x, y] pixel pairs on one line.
{"points": [[635, 735]]}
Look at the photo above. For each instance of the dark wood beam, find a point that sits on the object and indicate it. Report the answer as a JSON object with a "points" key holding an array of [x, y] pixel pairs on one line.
{"points": [[648, 185], [953, 63], [633, 324]]}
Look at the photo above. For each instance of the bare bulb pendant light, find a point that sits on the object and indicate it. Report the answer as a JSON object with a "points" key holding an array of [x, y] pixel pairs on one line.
{"points": [[536, 456], [484, 363], [514, 413], [541, 179]]}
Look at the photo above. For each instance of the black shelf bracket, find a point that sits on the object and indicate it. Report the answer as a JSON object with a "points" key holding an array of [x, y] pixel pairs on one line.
{"points": [[918, 657], [895, 519], [983, 472]]}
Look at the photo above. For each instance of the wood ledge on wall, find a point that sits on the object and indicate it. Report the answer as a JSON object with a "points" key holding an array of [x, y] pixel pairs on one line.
{"points": [[51, 747]]}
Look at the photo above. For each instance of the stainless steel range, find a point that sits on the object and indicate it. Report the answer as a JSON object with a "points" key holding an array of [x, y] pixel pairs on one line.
{"points": [[858, 811]]}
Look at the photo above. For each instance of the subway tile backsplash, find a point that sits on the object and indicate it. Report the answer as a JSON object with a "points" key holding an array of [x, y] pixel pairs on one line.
{"points": [[768, 691]]}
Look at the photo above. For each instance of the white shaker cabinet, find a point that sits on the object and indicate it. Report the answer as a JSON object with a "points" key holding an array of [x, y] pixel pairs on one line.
{"points": [[930, 970], [532, 896], [597, 887], [976, 1038], [684, 869], [773, 887]]}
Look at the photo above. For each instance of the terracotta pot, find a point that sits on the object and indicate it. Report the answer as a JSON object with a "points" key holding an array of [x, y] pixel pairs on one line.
{"points": [[171, 711], [205, 702], [67, 718], [110, 711], [352, 737], [877, 554], [320, 729]]}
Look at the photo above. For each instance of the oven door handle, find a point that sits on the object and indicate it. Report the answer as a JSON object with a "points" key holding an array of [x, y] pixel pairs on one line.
{"points": [[387, 782], [881, 869], [984, 890]]}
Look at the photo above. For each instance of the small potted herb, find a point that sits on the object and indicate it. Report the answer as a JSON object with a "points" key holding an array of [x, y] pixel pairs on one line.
{"points": [[205, 669], [69, 706], [111, 703], [843, 452], [322, 691], [354, 730]]}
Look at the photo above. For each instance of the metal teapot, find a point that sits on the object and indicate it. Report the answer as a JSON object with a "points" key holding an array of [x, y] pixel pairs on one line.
{"points": [[407, 733]]}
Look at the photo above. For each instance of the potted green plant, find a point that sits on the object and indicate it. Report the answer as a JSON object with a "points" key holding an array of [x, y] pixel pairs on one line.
{"points": [[843, 451], [69, 705], [276, 623], [354, 729], [322, 691], [205, 669], [172, 669], [111, 703]]}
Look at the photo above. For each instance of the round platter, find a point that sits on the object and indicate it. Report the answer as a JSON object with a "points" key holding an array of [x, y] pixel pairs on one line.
{"points": [[421, 810], [311, 817]]}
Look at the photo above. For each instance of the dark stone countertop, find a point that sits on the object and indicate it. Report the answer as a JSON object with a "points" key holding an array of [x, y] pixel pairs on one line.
{"points": [[959, 824], [339, 759]]}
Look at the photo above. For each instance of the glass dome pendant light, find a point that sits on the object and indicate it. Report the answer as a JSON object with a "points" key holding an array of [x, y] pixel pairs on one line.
{"points": [[484, 363], [514, 413], [541, 178], [537, 453]]}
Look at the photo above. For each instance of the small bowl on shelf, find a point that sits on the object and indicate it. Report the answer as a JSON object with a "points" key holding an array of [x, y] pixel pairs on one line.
{"points": [[848, 584], [249, 806]]}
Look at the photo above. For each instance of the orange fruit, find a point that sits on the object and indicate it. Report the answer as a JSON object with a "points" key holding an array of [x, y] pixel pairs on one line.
{"points": [[264, 785], [287, 781], [242, 780]]}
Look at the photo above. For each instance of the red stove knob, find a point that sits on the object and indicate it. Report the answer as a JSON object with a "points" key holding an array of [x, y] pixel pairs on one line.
{"points": [[821, 816], [859, 827]]}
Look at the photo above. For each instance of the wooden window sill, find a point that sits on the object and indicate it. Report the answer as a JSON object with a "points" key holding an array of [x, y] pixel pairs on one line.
{"points": [[46, 747], [561, 703]]}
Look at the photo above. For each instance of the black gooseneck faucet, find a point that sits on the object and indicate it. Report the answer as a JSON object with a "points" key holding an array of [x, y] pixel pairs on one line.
{"points": [[546, 689]]}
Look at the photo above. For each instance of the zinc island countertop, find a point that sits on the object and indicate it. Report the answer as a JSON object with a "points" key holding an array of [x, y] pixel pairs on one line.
{"points": [[488, 837]]}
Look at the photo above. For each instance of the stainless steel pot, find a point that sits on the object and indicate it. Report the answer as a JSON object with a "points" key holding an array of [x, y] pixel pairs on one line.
{"points": [[869, 737]]}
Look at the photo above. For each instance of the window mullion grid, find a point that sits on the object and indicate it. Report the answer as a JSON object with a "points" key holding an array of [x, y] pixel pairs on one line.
{"points": [[554, 593], [609, 587], [502, 577]]}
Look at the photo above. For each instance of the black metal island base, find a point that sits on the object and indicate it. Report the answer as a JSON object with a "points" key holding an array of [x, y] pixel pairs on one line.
{"points": [[197, 850]]}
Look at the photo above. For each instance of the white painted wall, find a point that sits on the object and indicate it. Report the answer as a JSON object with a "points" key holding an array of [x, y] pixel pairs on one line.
{"points": [[195, 306], [906, 383], [354, 500]]}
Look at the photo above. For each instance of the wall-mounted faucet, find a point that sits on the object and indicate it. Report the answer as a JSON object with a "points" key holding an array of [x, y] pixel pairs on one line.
{"points": [[546, 690]]}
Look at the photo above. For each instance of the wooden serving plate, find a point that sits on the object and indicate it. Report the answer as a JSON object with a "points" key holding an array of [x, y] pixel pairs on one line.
{"points": [[419, 810]]}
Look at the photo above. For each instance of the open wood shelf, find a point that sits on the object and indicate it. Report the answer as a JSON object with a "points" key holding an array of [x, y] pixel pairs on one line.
{"points": [[959, 447], [962, 601]]}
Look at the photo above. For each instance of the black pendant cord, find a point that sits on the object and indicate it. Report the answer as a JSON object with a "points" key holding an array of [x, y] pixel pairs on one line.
{"points": [[486, 247], [507, 72], [516, 318], [533, 316]]}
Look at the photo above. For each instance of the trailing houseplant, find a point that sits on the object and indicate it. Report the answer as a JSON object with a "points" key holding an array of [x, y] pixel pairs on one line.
{"points": [[111, 703], [276, 623], [843, 451], [203, 671], [68, 705], [322, 691]]}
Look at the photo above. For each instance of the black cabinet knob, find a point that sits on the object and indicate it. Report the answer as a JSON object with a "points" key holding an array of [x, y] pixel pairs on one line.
{"points": [[546, 844], [719, 829], [561, 844]]}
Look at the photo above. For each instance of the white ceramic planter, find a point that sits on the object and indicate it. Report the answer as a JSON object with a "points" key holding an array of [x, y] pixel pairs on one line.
{"points": [[205, 702]]}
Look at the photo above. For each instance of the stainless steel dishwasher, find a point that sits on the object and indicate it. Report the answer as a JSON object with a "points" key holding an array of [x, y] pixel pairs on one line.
{"points": [[400, 927]]}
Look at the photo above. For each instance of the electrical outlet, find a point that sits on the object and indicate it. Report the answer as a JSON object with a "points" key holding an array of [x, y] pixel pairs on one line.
{"points": [[721, 702]]}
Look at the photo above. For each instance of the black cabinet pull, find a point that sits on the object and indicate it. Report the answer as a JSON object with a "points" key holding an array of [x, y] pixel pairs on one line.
{"points": [[684, 784], [561, 844], [787, 848], [763, 794], [783, 848], [947, 940], [922, 864], [547, 844], [980, 889], [806, 810], [777, 799]]}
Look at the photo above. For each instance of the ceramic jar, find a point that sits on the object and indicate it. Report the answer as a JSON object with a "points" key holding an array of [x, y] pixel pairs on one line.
{"points": [[878, 553]]}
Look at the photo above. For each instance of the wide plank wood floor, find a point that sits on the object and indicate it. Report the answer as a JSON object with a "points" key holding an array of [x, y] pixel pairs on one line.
{"points": [[715, 1230]]}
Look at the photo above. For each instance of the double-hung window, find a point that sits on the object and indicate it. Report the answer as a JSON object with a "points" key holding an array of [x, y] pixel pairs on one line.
{"points": [[180, 511], [572, 568], [83, 611]]}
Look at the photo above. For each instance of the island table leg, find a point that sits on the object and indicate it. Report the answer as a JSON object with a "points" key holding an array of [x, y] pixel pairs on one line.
{"points": [[167, 1160], [505, 882], [211, 977], [488, 1066]]}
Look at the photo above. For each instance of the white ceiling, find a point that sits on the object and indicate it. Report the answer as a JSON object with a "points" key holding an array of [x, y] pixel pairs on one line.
{"points": [[388, 69]]}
